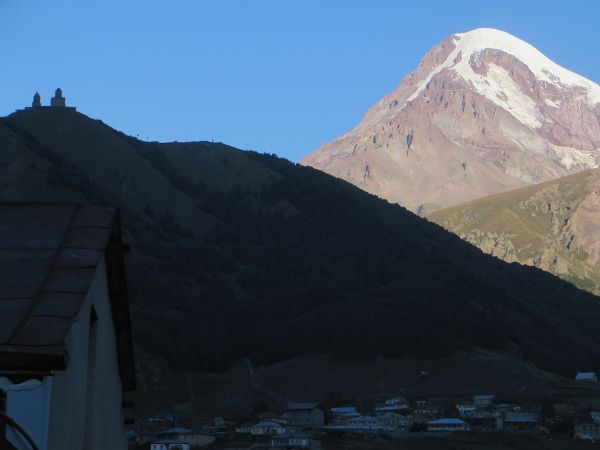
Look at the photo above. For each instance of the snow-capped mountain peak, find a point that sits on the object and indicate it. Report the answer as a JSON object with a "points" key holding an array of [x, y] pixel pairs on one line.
{"points": [[496, 83], [483, 112], [475, 41]]}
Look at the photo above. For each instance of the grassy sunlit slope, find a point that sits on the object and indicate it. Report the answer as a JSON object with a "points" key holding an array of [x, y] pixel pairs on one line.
{"points": [[554, 226]]}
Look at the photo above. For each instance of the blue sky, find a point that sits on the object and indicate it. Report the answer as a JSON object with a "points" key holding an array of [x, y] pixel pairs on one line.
{"points": [[274, 76]]}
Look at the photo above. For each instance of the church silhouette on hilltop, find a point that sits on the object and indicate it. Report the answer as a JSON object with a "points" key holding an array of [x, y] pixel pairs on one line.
{"points": [[58, 101]]}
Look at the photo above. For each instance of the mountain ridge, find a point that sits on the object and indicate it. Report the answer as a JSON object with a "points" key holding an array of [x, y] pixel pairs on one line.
{"points": [[277, 260]]}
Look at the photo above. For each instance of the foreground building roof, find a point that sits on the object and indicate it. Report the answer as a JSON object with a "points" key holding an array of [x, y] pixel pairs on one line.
{"points": [[48, 257]]}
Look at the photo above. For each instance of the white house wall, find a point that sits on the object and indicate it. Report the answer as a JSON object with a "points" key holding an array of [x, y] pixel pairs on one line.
{"points": [[67, 429]]}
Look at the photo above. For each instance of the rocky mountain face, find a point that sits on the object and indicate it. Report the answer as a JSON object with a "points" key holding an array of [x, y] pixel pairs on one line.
{"points": [[483, 113], [553, 226]]}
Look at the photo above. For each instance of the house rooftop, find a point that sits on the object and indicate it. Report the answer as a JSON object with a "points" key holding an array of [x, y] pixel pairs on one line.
{"points": [[363, 417], [586, 376], [354, 427], [522, 418], [176, 430], [343, 409], [450, 421], [49, 254], [307, 406], [388, 408], [270, 423]]}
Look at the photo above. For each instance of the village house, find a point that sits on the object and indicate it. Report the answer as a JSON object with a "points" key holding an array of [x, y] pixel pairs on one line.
{"points": [[65, 340], [466, 409], [587, 431], [395, 421], [294, 440], [484, 401], [394, 404], [521, 420], [589, 377], [162, 419], [173, 433], [305, 415], [143, 437], [217, 425], [481, 420], [430, 408], [363, 422], [170, 445], [341, 414], [399, 402], [451, 424], [195, 438], [358, 424], [503, 407], [270, 415], [222, 422], [267, 428], [244, 428]]}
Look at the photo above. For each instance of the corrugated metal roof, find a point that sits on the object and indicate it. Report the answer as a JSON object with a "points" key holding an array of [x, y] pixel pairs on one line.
{"points": [[269, 423], [302, 406], [176, 430], [586, 376], [343, 409], [388, 408], [363, 418], [448, 421], [48, 258]]}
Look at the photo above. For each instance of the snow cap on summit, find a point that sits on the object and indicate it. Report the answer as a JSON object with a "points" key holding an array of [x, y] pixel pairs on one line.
{"points": [[470, 44]]}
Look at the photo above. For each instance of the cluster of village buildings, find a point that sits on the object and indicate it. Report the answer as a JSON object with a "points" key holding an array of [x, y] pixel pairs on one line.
{"points": [[303, 425]]}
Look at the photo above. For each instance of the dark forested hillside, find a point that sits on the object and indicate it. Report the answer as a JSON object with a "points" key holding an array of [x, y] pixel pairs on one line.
{"points": [[240, 254]]}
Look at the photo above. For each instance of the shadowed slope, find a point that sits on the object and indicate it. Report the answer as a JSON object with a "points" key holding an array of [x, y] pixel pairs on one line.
{"points": [[239, 254]]}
